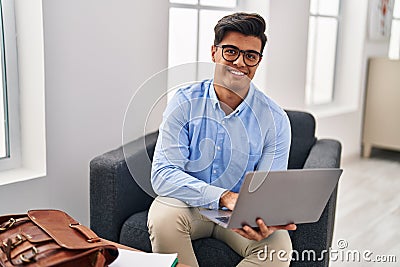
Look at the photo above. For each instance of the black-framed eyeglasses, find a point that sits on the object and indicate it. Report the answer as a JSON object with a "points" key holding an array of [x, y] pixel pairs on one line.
{"points": [[231, 53]]}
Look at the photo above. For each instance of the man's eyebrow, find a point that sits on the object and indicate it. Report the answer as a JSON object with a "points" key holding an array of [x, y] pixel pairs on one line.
{"points": [[229, 45], [233, 46]]}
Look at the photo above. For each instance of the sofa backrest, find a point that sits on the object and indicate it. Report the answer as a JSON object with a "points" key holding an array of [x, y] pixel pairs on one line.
{"points": [[303, 137]]}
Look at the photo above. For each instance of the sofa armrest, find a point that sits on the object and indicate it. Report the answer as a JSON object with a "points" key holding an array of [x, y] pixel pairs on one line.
{"points": [[114, 194], [326, 153], [317, 236]]}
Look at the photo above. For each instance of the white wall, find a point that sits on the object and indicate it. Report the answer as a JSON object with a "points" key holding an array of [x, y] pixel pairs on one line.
{"points": [[345, 125], [287, 52], [97, 53]]}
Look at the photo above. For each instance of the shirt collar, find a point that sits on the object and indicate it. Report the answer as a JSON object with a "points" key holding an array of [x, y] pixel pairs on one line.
{"points": [[215, 101]]}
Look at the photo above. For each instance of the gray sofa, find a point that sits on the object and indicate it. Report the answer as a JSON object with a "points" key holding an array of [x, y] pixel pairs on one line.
{"points": [[118, 206]]}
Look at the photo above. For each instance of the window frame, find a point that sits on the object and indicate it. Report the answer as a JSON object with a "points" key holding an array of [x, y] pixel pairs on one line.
{"points": [[11, 87], [30, 96]]}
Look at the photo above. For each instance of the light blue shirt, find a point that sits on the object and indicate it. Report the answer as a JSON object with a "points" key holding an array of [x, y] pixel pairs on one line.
{"points": [[201, 152]]}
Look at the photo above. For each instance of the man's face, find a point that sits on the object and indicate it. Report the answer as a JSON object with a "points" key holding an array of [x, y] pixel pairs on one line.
{"points": [[235, 75]]}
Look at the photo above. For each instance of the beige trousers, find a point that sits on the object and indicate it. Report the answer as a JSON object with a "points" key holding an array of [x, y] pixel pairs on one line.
{"points": [[173, 225]]}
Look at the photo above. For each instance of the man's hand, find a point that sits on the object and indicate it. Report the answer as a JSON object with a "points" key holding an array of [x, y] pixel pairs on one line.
{"points": [[263, 231], [228, 199]]}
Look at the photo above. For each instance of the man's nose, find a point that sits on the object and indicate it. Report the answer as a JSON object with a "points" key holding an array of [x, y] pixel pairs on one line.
{"points": [[240, 60]]}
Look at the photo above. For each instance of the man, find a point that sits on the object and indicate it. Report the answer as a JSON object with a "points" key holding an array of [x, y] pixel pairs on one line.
{"points": [[212, 133]]}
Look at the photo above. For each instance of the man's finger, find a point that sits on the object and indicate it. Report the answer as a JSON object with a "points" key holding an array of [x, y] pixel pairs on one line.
{"points": [[254, 235], [264, 230]]}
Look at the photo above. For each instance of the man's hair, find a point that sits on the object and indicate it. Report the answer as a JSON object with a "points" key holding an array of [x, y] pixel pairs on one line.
{"points": [[245, 23]]}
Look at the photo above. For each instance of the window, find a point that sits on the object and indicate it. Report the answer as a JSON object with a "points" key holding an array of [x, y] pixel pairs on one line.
{"points": [[394, 47], [321, 53], [191, 31]]}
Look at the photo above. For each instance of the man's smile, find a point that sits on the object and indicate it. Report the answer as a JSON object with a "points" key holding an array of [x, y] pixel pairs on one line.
{"points": [[236, 72]]}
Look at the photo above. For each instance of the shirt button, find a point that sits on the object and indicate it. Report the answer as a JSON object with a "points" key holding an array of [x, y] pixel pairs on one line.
{"points": [[214, 171], [218, 148], [210, 207], [223, 122]]}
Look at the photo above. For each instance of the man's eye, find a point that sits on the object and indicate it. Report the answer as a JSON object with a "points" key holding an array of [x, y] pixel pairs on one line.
{"points": [[251, 56], [231, 51]]}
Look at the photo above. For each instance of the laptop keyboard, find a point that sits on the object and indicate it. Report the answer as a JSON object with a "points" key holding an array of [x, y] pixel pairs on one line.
{"points": [[223, 219]]}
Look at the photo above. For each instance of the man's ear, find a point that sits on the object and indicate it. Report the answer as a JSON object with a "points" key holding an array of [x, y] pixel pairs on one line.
{"points": [[213, 51]]}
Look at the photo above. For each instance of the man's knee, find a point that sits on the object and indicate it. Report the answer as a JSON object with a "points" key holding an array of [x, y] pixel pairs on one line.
{"points": [[277, 247], [166, 215]]}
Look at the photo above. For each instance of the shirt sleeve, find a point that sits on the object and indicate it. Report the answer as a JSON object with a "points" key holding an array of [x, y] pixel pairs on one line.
{"points": [[168, 175], [275, 154]]}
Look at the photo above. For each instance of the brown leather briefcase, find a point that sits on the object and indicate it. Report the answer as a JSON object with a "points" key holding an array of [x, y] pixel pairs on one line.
{"points": [[51, 238]]}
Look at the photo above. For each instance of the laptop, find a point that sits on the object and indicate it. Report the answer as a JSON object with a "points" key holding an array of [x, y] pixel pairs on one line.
{"points": [[279, 198]]}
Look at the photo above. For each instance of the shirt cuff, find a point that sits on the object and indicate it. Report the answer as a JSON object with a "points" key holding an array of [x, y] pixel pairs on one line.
{"points": [[212, 196]]}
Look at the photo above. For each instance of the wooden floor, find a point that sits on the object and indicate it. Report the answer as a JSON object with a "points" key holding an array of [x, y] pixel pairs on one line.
{"points": [[368, 208]]}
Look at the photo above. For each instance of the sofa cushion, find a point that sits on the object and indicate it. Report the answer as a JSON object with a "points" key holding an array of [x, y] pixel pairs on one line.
{"points": [[209, 252]]}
